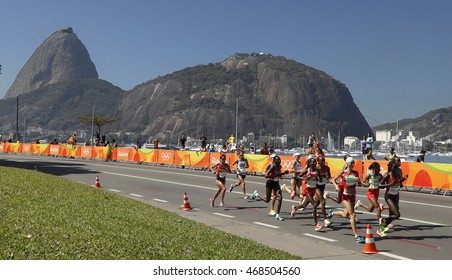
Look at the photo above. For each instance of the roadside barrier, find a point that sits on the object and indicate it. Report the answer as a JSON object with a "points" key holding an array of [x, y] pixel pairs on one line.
{"points": [[435, 176]]}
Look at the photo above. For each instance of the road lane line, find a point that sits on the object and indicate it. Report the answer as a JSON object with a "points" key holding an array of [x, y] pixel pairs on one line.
{"points": [[223, 215], [160, 200], [320, 237], [113, 190], [266, 225], [393, 256], [135, 195]]}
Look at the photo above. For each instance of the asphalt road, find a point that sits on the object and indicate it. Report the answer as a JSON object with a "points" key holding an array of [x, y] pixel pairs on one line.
{"points": [[423, 233]]}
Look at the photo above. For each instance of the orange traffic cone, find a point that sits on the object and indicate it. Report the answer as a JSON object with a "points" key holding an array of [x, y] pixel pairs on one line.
{"points": [[186, 206], [369, 247], [97, 184]]}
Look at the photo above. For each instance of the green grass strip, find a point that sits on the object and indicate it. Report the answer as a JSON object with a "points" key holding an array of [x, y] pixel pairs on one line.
{"points": [[43, 217]]}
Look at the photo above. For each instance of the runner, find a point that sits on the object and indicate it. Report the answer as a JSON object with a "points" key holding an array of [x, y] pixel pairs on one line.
{"points": [[338, 200], [273, 176], [325, 176], [272, 204], [242, 165], [220, 170], [312, 176], [373, 180], [295, 181], [349, 183], [393, 181]]}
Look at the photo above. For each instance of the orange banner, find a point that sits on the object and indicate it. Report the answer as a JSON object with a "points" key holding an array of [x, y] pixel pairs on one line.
{"points": [[165, 156], [191, 158], [123, 154], [54, 150], [27, 149]]}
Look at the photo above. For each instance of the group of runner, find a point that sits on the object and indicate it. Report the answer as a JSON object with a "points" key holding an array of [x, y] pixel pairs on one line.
{"points": [[308, 185]]}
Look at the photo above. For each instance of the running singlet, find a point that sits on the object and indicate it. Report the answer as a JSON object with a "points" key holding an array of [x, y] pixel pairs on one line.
{"points": [[374, 182], [349, 181], [221, 171], [323, 175], [394, 188], [241, 167], [297, 166], [312, 178], [275, 175]]}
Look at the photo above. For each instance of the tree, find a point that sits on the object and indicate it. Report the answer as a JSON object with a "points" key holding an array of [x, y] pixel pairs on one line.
{"points": [[98, 120]]}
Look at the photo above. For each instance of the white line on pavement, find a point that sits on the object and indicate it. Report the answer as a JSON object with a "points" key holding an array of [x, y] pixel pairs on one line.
{"points": [[393, 256], [319, 237], [113, 190], [223, 215], [160, 200], [135, 195], [265, 225]]}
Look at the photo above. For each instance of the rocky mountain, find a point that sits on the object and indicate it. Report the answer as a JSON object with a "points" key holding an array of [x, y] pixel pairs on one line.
{"points": [[434, 125], [61, 57], [58, 106], [271, 96]]}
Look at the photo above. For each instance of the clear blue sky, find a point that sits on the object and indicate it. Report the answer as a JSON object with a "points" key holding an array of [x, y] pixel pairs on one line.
{"points": [[395, 57]]}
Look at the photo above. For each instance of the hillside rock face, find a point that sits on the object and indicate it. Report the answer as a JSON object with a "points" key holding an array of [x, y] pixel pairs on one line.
{"points": [[272, 95], [435, 125], [61, 57]]}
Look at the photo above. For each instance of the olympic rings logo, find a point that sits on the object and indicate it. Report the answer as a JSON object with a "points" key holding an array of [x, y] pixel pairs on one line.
{"points": [[286, 164], [166, 156]]}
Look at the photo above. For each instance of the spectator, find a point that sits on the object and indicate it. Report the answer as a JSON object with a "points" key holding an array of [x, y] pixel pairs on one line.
{"points": [[182, 141], [421, 157], [203, 139]]}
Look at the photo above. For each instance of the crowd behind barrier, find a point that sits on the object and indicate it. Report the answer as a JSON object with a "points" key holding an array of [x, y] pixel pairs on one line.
{"points": [[436, 176]]}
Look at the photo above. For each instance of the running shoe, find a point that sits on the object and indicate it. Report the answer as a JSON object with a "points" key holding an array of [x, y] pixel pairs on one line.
{"points": [[381, 227], [221, 204], [390, 226], [358, 203], [283, 187], [212, 202], [231, 187], [330, 214], [360, 239], [327, 222], [292, 195], [272, 212], [279, 218], [294, 210], [246, 197], [326, 195], [318, 227], [254, 195], [382, 206], [381, 233]]}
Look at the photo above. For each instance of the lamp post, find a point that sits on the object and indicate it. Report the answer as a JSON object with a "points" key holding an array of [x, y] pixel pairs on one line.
{"points": [[236, 120]]}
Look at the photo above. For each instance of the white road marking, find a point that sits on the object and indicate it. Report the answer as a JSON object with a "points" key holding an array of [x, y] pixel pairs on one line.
{"points": [[113, 190], [393, 256], [319, 237], [265, 225], [135, 195], [160, 200], [223, 215]]}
